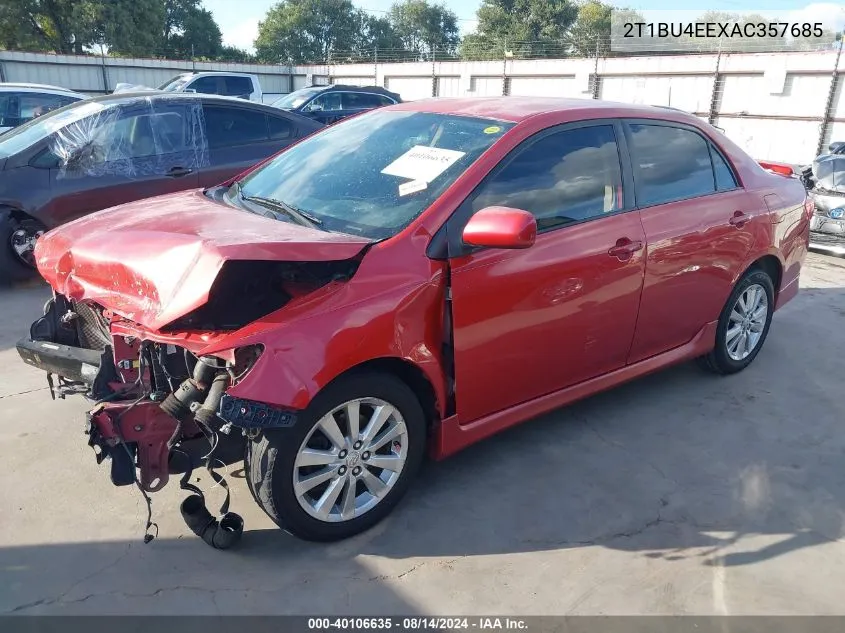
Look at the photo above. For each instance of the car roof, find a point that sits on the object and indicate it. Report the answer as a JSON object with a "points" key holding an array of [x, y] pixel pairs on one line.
{"points": [[516, 109], [128, 97], [347, 88], [28, 86]]}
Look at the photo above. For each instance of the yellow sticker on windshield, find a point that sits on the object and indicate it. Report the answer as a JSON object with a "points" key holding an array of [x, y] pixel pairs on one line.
{"points": [[493, 129]]}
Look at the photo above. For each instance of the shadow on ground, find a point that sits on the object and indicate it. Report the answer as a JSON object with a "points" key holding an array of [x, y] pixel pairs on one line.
{"points": [[678, 466]]}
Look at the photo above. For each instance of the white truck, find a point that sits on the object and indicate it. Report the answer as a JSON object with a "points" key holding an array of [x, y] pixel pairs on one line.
{"points": [[241, 85]]}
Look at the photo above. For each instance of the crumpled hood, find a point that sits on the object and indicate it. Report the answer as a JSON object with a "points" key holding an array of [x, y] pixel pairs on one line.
{"points": [[155, 260]]}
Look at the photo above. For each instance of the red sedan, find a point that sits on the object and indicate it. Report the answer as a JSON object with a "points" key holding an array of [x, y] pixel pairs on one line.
{"points": [[413, 279]]}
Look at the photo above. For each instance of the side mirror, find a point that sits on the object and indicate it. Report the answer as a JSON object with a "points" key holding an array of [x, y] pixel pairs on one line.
{"points": [[501, 227]]}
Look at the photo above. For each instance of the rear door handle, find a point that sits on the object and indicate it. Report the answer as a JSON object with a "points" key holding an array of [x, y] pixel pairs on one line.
{"points": [[738, 219], [178, 172], [624, 249]]}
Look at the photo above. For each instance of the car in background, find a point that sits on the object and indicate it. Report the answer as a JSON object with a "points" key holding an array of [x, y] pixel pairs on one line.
{"points": [[328, 104], [118, 148], [411, 281], [825, 181], [227, 84], [22, 102]]}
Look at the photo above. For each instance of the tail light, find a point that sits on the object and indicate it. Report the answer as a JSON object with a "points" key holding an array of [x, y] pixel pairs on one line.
{"points": [[777, 168]]}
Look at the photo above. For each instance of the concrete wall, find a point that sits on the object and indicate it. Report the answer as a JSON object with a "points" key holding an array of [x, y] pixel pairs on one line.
{"points": [[778, 106]]}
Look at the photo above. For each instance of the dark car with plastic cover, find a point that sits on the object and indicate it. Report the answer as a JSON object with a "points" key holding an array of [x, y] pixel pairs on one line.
{"points": [[115, 149]]}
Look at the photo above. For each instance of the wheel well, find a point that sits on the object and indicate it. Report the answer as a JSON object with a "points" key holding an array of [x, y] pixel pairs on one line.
{"points": [[770, 265], [16, 214], [412, 376]]}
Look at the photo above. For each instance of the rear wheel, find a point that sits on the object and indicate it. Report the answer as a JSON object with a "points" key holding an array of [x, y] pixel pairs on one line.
{"points": [[743, 325], [17, 247], [346, 462]]}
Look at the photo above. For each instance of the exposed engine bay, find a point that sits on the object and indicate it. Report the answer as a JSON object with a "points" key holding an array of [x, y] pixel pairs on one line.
{"points": [[825, 182], [161, 409]]}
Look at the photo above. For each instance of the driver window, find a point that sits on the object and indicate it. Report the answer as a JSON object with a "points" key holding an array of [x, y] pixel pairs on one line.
{"points": [[563, 178], [325, 102]]}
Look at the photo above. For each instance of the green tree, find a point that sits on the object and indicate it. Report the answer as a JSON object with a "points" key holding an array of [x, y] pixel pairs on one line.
{"points": [[116, 25], [235, 54], [591, 30], [189, 30], [526, 28], [45, 25], [425, 29], [308, 31]]}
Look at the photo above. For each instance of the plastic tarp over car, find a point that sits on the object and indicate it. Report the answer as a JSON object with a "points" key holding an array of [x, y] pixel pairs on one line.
{"points": [[134, 139], [829, 173]]}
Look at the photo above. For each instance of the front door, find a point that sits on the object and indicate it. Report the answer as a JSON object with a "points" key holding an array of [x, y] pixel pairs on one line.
{"points": [[531, 322], [122, 155], [699, 226]]}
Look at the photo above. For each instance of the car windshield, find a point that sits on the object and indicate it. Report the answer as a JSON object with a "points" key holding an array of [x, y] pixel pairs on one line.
{"points": [[371, 175], [174, 84], [296, 98], [31, 132]]}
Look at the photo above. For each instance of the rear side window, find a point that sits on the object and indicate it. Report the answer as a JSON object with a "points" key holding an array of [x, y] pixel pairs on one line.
{"points": [[359, 101], [670, 164], [563, 178], [725, 179], [238, 86], [384, 101], [225, 127], [205, 85], [280, 128]]}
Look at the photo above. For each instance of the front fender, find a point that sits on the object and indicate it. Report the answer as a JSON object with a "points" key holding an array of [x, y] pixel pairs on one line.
{"points": [[307, 351]]}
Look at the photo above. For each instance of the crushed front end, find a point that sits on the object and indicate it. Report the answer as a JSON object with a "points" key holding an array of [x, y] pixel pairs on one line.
{"points": [[825, 182], [159, 408]]}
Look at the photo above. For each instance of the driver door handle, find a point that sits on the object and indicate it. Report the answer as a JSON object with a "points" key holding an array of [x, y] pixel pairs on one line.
{"points": [[178, 172], [738, 219], [625, 248]]}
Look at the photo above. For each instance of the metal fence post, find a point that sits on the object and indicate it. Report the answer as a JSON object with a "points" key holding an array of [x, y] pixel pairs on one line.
{"points": [[433, 71], [103, 68], [713, 113], [595, 91], [831, 93]]}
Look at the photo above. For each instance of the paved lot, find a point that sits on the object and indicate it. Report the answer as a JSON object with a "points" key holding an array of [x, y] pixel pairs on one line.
{"points": [[680, 493]]}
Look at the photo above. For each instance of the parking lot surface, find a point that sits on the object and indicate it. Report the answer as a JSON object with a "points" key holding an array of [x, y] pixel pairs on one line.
{"points": [[681, 493]]}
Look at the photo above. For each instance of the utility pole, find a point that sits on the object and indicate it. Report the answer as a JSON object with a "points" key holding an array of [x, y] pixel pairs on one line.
{"points": [[717, 88], [433, 71], [375, 66], [595, 86]]}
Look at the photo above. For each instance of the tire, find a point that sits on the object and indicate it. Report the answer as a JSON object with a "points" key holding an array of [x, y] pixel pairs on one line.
{"points": [[271, 460], [12, 269], [723, 359]]}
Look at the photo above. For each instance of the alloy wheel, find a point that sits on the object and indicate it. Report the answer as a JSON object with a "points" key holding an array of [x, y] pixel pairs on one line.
{"points": [[350, 460], [746, 322]]}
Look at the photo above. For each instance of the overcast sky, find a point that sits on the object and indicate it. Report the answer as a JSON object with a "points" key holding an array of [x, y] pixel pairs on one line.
{"points": [[239, 19]]}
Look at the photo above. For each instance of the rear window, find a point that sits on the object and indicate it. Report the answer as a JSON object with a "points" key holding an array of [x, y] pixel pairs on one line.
{"points": [[670, 163], [227, 126], [238, 86]]}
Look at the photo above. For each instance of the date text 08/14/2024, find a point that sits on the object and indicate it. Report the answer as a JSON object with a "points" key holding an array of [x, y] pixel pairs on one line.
{"points": [[416, 623]]}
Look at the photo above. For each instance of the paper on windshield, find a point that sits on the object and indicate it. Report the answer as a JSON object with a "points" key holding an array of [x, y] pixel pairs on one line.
{"points": [[422, 163], [407, 188]]}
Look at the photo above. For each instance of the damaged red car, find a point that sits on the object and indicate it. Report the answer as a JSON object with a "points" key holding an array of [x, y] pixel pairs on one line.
{"points": [[408, 281]]}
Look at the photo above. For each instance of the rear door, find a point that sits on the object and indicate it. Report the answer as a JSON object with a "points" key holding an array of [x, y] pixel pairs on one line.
{"points": [[698, 224], [240, 136], [129, 153]]}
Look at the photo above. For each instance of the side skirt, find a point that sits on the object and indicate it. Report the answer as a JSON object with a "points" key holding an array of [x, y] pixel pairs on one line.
{"points": [[454, 436]]}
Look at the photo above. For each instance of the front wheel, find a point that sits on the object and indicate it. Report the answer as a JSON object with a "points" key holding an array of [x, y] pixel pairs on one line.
{"points": [[17, 246], [743, 325], [346, 462]]}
